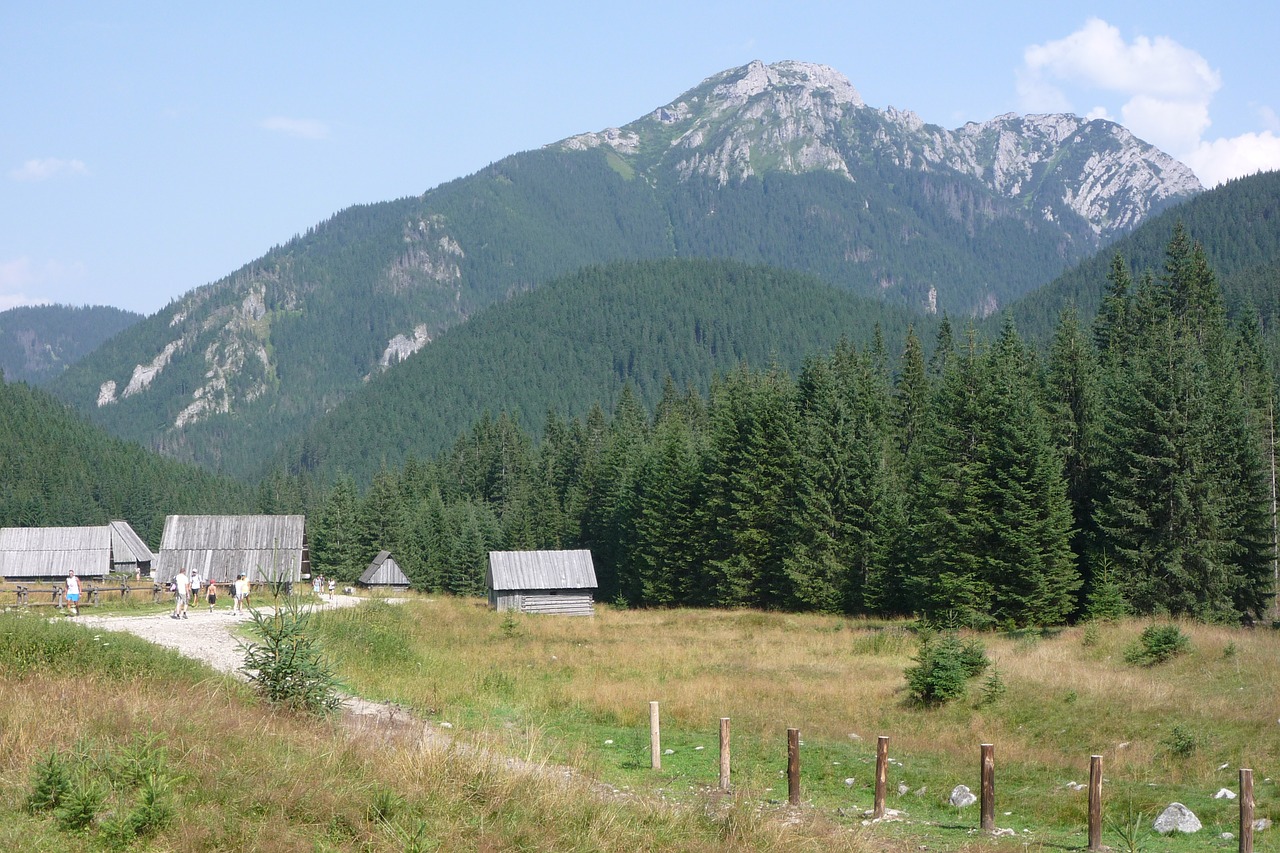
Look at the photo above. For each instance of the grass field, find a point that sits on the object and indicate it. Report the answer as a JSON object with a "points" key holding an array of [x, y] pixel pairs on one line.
{"points": [[133, 724], [578, 692]]}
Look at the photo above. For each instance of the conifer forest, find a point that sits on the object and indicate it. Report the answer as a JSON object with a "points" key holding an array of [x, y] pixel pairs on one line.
{"points": [[1126, 467]]}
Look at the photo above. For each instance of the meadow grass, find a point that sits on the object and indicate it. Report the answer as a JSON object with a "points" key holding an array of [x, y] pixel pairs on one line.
{"points": [[125, 718], [577, 691]]}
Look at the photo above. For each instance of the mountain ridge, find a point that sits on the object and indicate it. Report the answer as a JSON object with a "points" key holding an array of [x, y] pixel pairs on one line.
{"points": [[254, 358]]}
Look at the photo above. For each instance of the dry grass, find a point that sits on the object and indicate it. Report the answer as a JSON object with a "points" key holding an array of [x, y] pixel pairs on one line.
{"points": [[249, 778], [564, 687]]}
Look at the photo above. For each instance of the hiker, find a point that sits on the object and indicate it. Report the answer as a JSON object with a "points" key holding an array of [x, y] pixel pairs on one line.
{"points": [[241, 593], [332, 585], [195, 585], [316, 582], [213, 594], [182, 594], [73, 593]]}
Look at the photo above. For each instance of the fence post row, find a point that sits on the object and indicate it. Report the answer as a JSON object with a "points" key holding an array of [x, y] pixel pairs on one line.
{"points": [[988, 773]]}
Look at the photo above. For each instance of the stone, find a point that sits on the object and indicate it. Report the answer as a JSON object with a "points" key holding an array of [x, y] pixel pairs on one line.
{"points": [[1176, 818], [902, 788], [1002, 833], [1261, 824], [961, 796], [1225, 794]]}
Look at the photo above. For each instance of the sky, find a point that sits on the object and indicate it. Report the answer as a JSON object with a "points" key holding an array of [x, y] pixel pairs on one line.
{"points": [[150, 148]]}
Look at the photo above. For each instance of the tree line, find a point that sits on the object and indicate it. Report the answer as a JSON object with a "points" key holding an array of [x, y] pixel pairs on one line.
{"points": [[1127, 469]]}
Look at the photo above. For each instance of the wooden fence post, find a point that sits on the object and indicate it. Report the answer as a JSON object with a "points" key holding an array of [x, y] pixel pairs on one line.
{"points": [[1246, 811], [882, 775], [655, 740], [793, 766], [1095, 802], [724, 753], [988, 786]]}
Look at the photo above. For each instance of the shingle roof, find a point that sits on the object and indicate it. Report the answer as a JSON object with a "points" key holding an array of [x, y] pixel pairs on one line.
{"points": [[384, 571], [38, 552], [541, 570], [220, 547]]}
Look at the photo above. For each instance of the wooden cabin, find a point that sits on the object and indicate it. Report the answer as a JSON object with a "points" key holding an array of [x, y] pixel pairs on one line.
{"points": [[385, 572], [562, 582], [266, 548], [47, 553]]}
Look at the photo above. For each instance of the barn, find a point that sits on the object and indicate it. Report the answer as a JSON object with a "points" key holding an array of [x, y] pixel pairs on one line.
{"points": [[562, 582], [48, 553], [384, 571], [220, 547]]}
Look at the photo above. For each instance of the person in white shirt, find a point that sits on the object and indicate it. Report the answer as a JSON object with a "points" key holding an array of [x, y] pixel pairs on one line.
{"points": [[196, 583], [241, 588], [182, 594], [73, 593]]}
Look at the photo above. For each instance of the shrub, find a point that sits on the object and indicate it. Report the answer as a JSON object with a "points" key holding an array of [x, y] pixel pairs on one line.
{"points": [[1181, 741], [1157, 644], [286, 665], [944, 665], [51, 782]]}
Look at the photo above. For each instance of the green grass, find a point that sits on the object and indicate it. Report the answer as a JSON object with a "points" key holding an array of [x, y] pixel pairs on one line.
{"points": [[109, 743], [578, 691]]}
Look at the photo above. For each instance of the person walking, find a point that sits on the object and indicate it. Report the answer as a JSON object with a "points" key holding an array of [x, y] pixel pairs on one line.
{"points": [[196, 583], [181, 594], [213, 594], [73, 593], [241, 592]]}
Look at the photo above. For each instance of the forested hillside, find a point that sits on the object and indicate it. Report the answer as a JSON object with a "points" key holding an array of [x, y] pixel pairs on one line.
{"points": [[1238, 224], [1127, 472], [38, 342], [782, 165], [58, 470], [576, 341]]}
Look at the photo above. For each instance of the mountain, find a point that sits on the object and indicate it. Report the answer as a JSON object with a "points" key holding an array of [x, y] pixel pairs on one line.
{"points": [[1238, 223], [56, 469], [37, 342], [781, 165], [576, 341]]}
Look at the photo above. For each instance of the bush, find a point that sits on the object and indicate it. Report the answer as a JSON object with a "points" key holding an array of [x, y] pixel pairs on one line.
{"points": [[286, 664], [944, 665], [1181, 741], [1157, 644]]}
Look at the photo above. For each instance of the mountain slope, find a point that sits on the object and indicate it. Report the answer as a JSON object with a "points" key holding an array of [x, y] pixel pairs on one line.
{"points": [[575, 341], [1239, 225], [37, 342], [56, 469], [780, 164]]}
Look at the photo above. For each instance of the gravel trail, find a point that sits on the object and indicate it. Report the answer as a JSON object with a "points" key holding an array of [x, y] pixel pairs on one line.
{"points": [[212, 638]]}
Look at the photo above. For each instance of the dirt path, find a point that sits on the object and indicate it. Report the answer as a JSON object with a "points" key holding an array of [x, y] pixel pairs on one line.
{"points": [[212, 638]]}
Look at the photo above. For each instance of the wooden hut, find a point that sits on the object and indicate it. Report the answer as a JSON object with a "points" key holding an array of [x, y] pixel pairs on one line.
{"points": [[128, 552], [265, 548], [384, 571], [561, 582], [47, 553]]}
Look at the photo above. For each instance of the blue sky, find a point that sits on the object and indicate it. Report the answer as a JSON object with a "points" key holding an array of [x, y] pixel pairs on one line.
{"points": [[150, 148]]}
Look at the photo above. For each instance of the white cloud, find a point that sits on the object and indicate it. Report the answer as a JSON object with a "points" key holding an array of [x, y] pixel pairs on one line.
{"points": [[19, 276], [303, 128], [1220, 160], [49, 167], [1161, 89], [17, 300]]}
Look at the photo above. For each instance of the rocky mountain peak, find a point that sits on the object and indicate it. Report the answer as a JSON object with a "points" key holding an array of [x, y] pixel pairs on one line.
{"points": [[794, 117]]}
